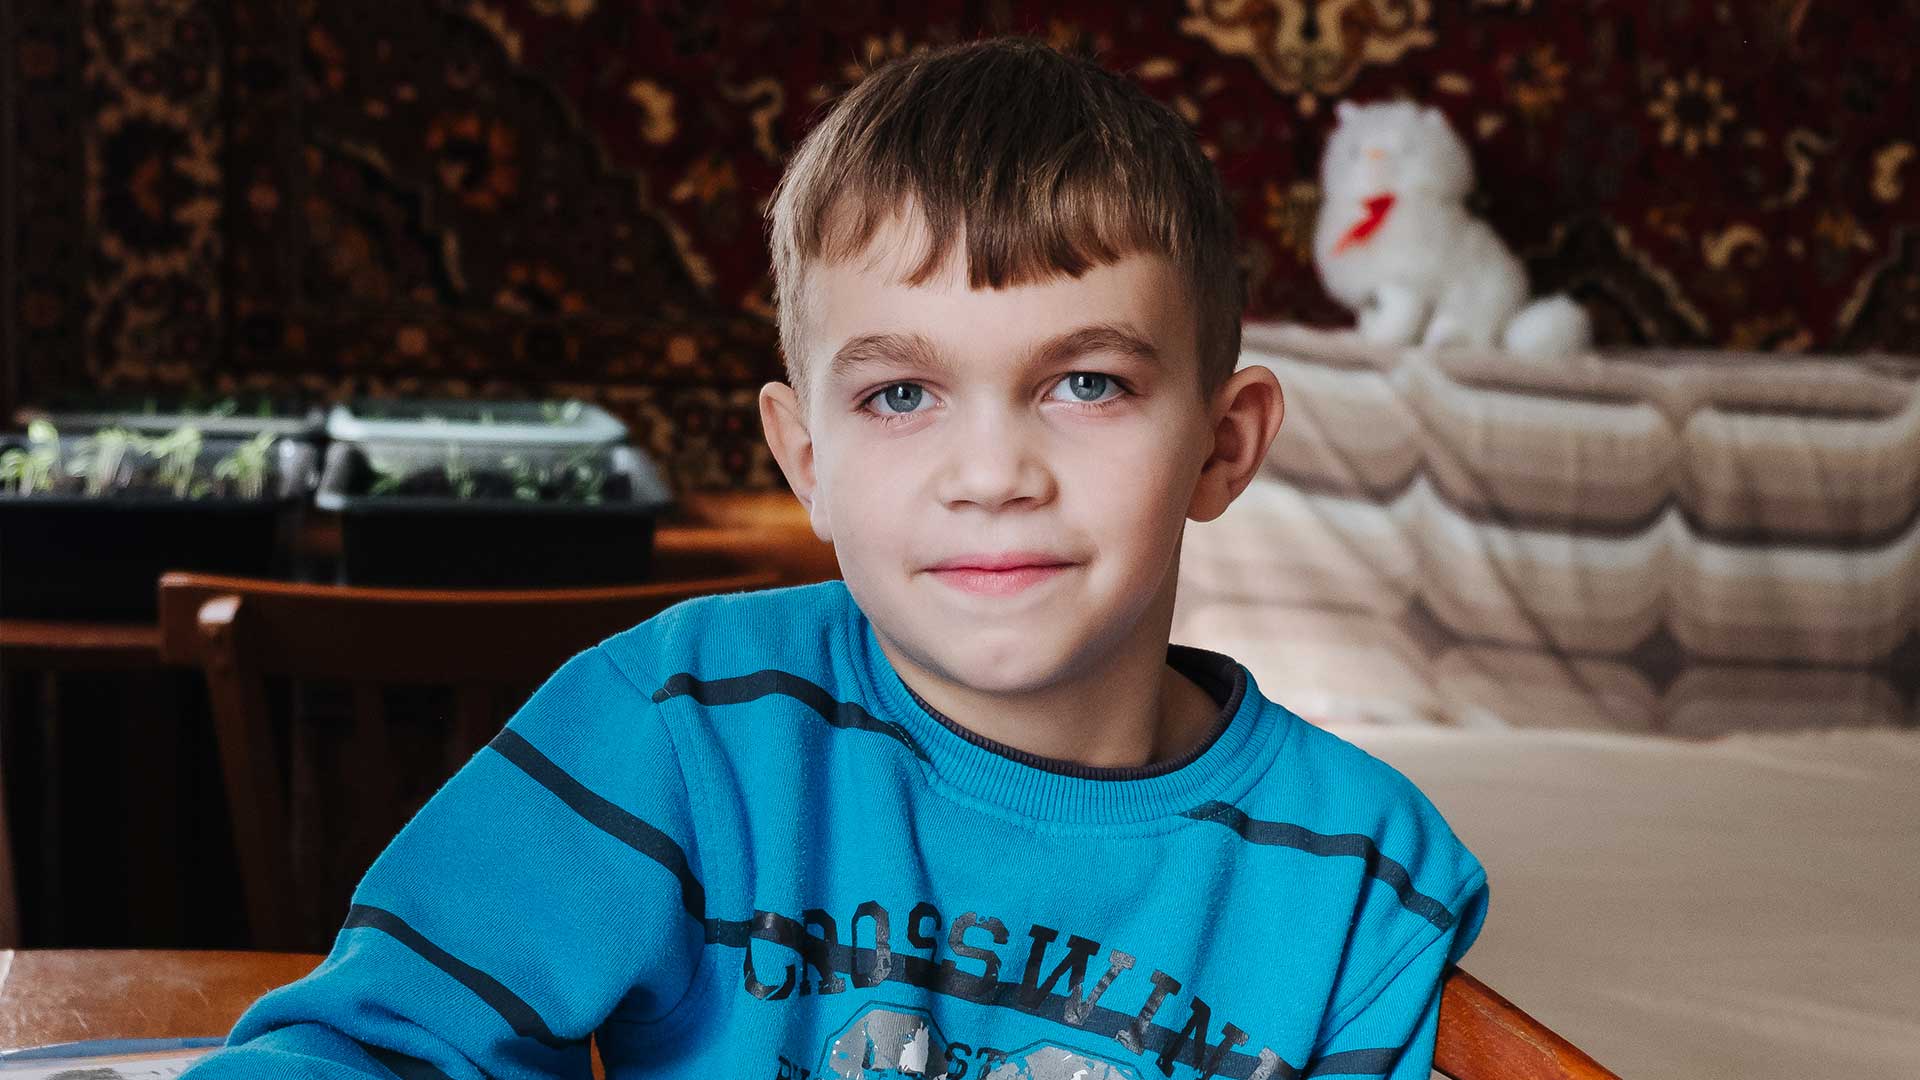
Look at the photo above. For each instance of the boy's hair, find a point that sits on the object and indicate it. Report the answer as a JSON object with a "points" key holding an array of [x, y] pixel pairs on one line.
{"points": [[1049, 163]]}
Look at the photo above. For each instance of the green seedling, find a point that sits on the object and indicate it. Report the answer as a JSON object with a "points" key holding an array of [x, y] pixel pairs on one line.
{"points": [[24, 471], [526, 478], [561, 412], [584, 481], [178, 451], [587, 484], [245, 470], [385, 481], [103, 455], [33, 467], [459, 475], [13, 468]]}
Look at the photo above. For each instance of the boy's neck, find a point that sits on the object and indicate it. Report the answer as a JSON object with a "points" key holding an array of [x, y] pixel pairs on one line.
{"points": [[1136, 710]]}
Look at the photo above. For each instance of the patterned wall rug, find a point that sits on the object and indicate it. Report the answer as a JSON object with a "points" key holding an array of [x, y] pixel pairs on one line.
{"points": [[498, 197]]}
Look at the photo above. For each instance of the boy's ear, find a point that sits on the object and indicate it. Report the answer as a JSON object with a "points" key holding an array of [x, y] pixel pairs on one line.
{"points": [[785, 423], [1253, 409]]}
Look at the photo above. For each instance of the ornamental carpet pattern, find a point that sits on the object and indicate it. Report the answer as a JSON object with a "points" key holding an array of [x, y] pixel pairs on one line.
{"points": [[502, 197]]}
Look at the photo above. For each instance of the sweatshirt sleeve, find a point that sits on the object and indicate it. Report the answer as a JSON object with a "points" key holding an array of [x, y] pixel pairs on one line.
{"points": [[544, 889], [1390, 1031]]}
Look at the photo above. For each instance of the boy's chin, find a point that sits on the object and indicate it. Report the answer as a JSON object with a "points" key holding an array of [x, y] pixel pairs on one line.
{"points": [[988, 662], [1003, 680]]}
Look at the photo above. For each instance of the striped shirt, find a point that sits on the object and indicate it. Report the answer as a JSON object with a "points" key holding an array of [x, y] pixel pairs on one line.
{"points": [[731, 841]]}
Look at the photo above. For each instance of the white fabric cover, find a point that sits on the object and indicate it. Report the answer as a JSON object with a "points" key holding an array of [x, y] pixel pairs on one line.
{"points": [[1746, 907], [1642, 541]]}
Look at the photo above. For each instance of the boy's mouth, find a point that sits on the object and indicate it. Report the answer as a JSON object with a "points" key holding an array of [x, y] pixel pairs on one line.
{"points": [[1001, 574]]}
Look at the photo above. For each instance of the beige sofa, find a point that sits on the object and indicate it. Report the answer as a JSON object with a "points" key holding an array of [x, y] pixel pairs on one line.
{"points": [[1682, 543]]}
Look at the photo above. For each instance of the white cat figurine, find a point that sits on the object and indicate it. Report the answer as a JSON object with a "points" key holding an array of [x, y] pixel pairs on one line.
{"points": [[1395, 243]]}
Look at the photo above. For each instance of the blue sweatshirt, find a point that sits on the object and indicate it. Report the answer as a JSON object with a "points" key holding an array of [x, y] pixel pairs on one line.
{"points": [[731, 841]]}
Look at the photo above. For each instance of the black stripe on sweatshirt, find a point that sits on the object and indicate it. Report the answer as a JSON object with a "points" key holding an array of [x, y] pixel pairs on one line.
{"points": [[624, 827], [519, 1015], [737, 689], [607, 817], [1376, 1062], [1287, 834], [404, 1067]]}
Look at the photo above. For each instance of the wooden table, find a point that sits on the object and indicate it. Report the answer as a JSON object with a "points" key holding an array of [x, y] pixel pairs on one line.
{"points": [[710, 534], [65, 995], [68, 646]]}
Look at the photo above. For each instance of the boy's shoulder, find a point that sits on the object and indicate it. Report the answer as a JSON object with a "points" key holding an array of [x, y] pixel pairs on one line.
{"points": [[787, 627], [1337, 789], [1350, 775]]}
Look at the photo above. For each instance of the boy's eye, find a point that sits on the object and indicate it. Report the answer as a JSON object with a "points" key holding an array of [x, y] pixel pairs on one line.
{"points": [[900, 398], [1087, 386]]}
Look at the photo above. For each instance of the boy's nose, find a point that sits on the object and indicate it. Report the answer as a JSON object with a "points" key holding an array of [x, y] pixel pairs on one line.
{"points": [[992, 465]]}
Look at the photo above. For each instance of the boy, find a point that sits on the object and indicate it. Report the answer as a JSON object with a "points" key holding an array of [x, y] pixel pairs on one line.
{"points": [[965, 812]]}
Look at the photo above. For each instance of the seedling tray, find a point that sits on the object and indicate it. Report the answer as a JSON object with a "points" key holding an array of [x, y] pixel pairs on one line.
{"points": [[490, 539], [100, 557]]}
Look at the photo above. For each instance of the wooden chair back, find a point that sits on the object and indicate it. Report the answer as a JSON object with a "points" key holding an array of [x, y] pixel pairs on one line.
{"points": [[490, 648], [1483, 1036]]}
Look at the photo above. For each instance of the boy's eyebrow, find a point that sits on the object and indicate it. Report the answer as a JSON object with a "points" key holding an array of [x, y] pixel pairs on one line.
{"points": [[874, 350], [1097, 337]]}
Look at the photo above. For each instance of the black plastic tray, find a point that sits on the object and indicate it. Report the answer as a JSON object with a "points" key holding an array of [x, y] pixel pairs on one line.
{"points": [[100, 558], [436, 541]]}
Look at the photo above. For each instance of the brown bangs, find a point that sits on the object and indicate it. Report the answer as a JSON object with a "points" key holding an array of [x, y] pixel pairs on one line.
{"points": [[1038, 163], [1005, 243]]}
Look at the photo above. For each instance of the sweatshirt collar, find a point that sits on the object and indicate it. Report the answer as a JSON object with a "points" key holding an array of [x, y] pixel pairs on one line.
{"points": [[1041, 788]]}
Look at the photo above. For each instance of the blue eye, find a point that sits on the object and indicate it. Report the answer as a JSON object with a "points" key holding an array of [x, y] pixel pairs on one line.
{"points": [[907, 395], [1088, 387]]}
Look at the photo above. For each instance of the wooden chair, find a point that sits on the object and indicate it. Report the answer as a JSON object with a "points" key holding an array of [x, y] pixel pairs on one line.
{"points": [[1483, 1036], [490, 647]]}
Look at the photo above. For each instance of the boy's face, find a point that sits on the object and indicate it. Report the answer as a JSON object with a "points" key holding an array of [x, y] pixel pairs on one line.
{"points": [[1060, 419]]}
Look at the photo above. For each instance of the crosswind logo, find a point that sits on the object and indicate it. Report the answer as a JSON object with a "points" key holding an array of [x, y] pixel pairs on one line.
{"points": [[885, 1041]]}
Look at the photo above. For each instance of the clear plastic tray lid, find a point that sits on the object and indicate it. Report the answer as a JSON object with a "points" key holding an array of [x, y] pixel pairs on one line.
{"points": [[120, 462], [243, 414], [490, 473], [566, 422]]}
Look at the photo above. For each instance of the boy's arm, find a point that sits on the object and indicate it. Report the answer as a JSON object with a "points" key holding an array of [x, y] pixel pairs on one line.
{"points": [[545, 888], [1392, 1033]]}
